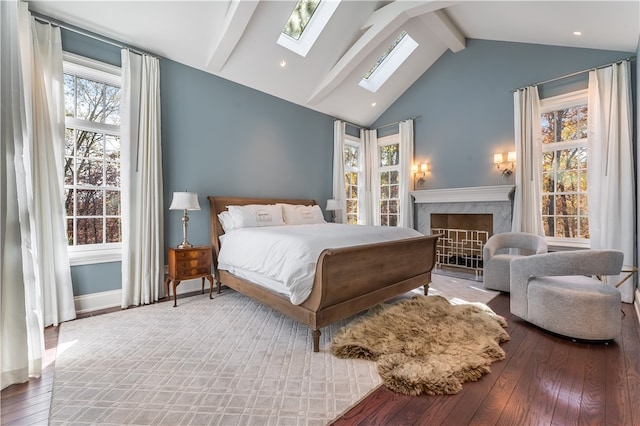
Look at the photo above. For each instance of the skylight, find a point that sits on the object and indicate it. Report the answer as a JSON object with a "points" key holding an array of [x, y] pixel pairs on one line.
{"points": [[300, 17], [389, 62], [306, 22]]}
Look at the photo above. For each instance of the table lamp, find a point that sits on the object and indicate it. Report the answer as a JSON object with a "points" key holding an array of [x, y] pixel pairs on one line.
{"points": [[332, 206], [184, 201]]}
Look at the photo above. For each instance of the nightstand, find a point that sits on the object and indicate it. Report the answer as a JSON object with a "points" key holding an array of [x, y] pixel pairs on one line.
{"points": [[187, 264]]}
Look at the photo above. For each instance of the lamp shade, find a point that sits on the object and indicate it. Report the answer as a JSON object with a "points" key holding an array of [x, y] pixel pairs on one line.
{"points": [[511, 156], [332, 205], [184, 201], [497, 158]]}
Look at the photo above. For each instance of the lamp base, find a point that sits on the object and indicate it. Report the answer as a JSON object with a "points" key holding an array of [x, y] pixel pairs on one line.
{"points": [[184, 245]]}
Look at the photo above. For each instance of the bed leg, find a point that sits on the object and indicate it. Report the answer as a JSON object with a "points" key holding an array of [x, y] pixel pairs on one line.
{"points": [[316, 339], [426, 289]]}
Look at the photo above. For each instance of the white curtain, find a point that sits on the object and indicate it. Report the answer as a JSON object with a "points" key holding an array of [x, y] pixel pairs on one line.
{"points": [[339, 132], [406, 160], [142, 201], [610, 172], [36, 277], [527, 206], [369, 140]]}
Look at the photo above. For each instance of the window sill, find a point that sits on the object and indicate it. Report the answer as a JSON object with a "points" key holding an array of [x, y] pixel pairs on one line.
{"points": [[79, 257]]}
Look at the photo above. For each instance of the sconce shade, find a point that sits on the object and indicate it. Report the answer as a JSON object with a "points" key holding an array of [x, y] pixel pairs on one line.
{"points": [[424, 167], [184, 201], [511, 157], [497, 158], [414, 168], [332, 205]]}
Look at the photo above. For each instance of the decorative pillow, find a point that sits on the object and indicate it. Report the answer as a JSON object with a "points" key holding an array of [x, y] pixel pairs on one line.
{"points": [[253, 215], [226, 220], [299, 215]]}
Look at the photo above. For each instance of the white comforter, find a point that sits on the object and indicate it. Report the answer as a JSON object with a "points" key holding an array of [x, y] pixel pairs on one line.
{"points": [[283, 258]]}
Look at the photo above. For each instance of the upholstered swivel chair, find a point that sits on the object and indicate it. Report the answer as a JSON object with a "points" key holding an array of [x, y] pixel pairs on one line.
{"points": [[560, 292], [500, 249]]}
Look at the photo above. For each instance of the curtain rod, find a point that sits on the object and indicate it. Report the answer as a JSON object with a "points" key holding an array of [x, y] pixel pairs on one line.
{"points": [[397, 122], [72, 28], [377, 128], [629, 59]]}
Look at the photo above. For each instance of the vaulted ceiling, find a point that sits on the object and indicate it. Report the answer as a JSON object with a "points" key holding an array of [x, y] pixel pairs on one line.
{"points": [[236, 39]]}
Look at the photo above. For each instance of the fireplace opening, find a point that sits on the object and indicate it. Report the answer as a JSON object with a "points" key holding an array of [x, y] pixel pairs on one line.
{"points": [[463, 236]]}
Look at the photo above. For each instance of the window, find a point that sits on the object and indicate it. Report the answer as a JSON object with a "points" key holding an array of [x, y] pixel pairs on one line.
{"points": [[306, 22], [389, 62], [92, 178], [564, 170], [353, 170], [389, 180]]}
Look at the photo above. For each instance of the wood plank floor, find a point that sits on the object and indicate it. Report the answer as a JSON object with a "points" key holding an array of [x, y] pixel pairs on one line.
{"points": [[545, 380]]}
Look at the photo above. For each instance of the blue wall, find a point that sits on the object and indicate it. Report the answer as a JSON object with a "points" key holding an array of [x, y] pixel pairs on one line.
{"points": [[464, 104], [221, 138]]}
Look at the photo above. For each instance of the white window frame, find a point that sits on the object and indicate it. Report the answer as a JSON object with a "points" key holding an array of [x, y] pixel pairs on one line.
{"points": [[556, 103], [385, 141], [312, 30], [390, 64], [356, 142], [106, 73]]}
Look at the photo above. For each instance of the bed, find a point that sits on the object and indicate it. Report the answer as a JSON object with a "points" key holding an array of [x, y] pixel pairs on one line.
{"points": [[375, 272]]}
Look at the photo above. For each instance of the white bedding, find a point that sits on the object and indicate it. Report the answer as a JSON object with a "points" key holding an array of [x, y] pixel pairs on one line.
{"points": [[283, 258]]}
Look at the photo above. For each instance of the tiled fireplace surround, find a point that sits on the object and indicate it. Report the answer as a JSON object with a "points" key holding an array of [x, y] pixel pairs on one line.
{"points": [[494, 200]]}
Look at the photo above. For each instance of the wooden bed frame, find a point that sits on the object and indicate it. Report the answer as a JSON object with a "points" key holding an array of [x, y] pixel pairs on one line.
{"points": [[374, 272]]}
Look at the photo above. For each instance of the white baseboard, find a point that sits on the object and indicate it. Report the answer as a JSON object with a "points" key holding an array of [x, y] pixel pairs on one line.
{"points": [[110, 299]]}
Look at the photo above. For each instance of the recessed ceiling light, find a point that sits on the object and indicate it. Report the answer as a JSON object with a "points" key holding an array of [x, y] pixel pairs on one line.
{"points": [[577, 33], [283, 63], [373, 104]]}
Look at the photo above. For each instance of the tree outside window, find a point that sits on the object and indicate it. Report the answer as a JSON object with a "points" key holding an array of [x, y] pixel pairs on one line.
{"points": [[92, 168], [565, 215]]}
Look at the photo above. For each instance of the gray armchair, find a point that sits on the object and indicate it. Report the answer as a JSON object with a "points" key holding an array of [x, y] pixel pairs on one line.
{"points": [[560, 292], [499, 251]]}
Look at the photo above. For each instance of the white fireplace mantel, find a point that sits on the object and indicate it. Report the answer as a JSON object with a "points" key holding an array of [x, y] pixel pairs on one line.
{"points": [[463, 195]]}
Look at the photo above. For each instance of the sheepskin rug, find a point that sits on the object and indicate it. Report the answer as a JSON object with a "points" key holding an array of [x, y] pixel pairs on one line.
{"points": [[425, 345]]}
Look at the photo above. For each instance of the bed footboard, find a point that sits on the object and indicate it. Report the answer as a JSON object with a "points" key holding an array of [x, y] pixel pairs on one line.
{"points": [[352, 279]]}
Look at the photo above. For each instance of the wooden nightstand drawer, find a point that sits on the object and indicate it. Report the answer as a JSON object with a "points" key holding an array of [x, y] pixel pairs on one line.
{"points": [[189, 263]]}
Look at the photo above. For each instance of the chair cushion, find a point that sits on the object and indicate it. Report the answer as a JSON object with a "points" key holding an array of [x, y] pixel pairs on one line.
{"points": [[575, 306], [497, 272]]}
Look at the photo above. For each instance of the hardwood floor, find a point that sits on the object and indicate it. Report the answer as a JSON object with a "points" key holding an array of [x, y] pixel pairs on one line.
{"points": [[545, 380]]}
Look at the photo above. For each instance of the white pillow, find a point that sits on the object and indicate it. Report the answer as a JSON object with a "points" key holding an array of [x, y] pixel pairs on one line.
{"points": [[299, 215], [226, 220], [253, 215]]}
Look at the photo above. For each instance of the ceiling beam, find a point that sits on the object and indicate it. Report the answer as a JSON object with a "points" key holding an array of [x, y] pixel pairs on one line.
{"points": [[236, 20], [440, 24], [381, 24]]}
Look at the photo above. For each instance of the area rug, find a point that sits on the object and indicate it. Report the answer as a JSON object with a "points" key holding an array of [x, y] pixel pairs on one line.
{"points": [[425, 345], [227, 361], [224, 361]]}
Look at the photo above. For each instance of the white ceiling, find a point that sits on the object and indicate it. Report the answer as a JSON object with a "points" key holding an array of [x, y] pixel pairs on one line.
{"points": [[236, 39]]}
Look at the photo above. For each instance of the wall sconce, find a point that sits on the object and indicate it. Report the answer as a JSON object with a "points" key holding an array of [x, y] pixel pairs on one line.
{"points": [[419, 171], [498, 160]]}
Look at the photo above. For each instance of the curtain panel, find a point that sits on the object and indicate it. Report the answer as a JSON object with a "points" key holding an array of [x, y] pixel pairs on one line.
{"points": [[406, 160], [142, 200], [369, 140], [527, 206], [339, 132], [611, 190], [36, 276]]}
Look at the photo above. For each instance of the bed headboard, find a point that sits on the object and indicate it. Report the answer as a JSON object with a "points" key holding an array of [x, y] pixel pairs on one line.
{"points": [[219, 204]]}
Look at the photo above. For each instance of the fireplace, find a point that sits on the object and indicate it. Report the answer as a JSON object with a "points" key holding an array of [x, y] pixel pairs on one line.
{"points": [[463, 237], [466, 217]]}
